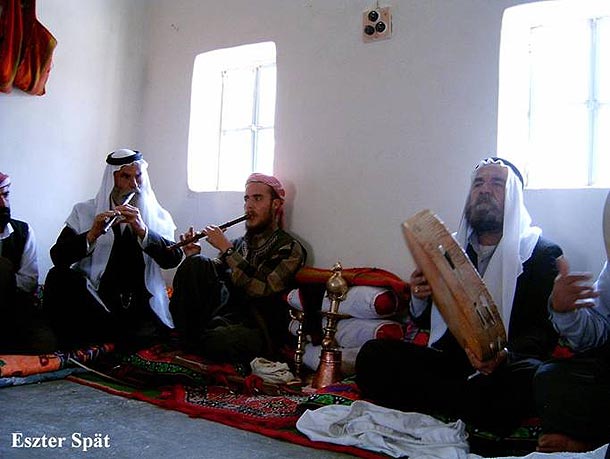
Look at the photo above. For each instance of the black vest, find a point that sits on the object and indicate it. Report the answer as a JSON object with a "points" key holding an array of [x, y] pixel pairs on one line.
{"points": [[13, 246], [122, 286]]}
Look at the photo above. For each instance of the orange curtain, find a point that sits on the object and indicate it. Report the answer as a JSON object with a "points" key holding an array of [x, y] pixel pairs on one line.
{"points": [[26, 48]]}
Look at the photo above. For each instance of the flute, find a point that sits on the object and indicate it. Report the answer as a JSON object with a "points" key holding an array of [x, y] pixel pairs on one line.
{"points": [[112, 221], [200, 234]]}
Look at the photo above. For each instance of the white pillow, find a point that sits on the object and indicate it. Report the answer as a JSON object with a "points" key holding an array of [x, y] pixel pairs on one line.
{"points": [[366, 302]]}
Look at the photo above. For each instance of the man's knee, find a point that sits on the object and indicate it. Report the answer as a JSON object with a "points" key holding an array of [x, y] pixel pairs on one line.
{"points": [[61, 284]]}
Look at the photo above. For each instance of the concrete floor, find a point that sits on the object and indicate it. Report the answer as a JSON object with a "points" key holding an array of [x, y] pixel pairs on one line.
{"points": [[130, 428]]}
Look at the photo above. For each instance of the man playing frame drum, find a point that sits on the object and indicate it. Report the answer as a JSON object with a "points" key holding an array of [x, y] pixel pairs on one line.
{"points": [[518, 266]]}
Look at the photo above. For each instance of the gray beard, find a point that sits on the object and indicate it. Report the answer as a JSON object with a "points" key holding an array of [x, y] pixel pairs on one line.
{"points": [[486, 225], [118, 198], [484, 221]]}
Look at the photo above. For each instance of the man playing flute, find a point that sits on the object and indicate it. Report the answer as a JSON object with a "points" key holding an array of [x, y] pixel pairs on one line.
{"points": [[518, 267], [228, 308], [106, 283]]}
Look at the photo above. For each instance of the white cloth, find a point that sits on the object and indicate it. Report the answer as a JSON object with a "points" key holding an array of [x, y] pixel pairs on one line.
{"points": [[599, 453], [26, 277], [388, 431], [519, 238], [271, 372], [154, 216]]}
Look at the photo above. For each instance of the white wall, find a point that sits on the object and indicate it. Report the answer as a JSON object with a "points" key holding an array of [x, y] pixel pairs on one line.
{"points": [[367, 134], [54, 146]]}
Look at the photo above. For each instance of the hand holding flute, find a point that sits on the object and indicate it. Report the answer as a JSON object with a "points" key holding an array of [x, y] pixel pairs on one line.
{"points": [[103, 222], [212, 233]]}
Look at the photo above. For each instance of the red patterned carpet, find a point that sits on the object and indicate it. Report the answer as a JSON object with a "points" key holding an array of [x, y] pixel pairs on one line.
{"points": [[220, 395]]}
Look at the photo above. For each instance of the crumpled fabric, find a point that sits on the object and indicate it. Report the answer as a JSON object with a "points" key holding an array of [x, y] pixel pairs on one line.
{"points": [[599, 453], [392, 432], [271, 372]]}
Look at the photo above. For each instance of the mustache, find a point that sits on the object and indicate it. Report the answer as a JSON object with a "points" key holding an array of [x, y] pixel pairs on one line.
{"points": [[484, 199]]}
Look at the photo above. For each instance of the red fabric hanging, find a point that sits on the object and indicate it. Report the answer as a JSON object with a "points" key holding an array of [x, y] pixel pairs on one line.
{"points": [[25, 65], [11, 33]]}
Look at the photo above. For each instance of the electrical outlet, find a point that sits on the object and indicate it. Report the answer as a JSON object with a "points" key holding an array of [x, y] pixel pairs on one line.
{"points": [[376, 24]]}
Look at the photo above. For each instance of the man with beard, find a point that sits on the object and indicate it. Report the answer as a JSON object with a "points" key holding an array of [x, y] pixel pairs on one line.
{"points": [[23, 328], [106, 284], [518, 267], [228, 309]]}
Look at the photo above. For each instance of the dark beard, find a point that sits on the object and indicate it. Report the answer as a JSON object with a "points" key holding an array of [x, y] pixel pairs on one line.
{"points": [[5, 216], [262, 226], [485, 216]]}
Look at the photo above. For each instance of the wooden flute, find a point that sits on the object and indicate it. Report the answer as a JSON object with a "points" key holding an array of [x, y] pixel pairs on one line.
{"points": [[201, 234]]}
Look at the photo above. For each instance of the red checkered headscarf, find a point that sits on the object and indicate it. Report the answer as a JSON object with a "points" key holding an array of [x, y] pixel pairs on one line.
{"points": [[276, 186], [5, 180]]}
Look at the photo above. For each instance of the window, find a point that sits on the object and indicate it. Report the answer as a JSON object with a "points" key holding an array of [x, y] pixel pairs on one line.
{"points": [[231, 131], [554, 105]]}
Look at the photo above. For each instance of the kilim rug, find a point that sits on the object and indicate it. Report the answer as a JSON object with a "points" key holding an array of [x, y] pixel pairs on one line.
{"points": [[221, 395], [225, 395]]}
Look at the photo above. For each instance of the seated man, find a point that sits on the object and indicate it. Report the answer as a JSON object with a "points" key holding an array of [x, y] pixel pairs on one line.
{"points": [[106, 284], [518, 267], [228, 308], [23, 330], [573, 395]]}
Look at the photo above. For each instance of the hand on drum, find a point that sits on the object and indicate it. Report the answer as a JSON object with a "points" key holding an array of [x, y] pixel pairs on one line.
{"points": [[487, 367]]}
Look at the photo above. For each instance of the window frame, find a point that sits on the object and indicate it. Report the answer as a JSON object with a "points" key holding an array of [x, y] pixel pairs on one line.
{"points": [[205, 163], [515, 80]]}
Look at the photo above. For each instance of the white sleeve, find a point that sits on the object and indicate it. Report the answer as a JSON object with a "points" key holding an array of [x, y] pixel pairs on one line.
{"points": [[418, 306], [587, 328], [27, 275]]}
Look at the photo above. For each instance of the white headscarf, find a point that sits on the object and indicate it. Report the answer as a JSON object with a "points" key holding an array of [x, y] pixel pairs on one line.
{"points": [[155, 217], [519, 238]]}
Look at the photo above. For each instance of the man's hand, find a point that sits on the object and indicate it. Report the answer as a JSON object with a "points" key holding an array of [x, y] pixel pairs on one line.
{"points": [[216, 237], [131, 215], [571, 290], [99, 223], [192, 248], [486, 367], [419, 285]]}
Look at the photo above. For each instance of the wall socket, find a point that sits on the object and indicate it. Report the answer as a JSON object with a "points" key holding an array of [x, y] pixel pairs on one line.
{"points": [[376, 24]]}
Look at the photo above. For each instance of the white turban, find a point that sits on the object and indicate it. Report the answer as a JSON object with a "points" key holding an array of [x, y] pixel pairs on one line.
{"points": [[519, 238]]}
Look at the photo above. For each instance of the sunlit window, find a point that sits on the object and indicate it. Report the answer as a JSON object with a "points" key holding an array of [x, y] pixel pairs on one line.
{"points": [[554, 106], [232, 117]]}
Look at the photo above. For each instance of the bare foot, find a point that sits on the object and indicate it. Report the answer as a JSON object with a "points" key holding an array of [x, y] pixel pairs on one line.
{"points": [[555, 443]]}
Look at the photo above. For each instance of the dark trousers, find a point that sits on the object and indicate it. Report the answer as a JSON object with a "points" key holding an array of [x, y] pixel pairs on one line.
{"points": [[573, 396], [24, 330], [78, 319], [409, 377], [209, 324]]}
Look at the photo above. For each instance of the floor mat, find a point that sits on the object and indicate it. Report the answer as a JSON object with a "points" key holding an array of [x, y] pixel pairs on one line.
{"points": [[222, 394]]}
